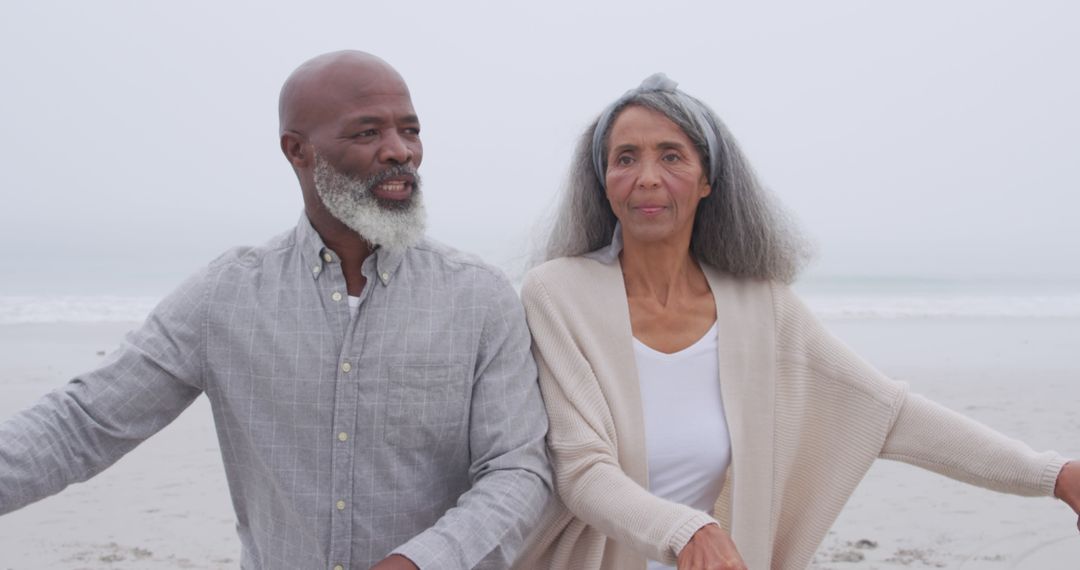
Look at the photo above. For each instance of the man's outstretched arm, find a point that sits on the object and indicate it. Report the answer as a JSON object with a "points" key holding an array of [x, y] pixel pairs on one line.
{"points": [[80, 429]]}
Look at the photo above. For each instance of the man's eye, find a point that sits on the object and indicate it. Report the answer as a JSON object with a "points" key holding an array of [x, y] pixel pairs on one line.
{"points": [[412, 131], [365, 134]]}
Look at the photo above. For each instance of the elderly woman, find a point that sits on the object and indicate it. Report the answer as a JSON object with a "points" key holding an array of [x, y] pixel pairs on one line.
{"points": [[700, 414]]}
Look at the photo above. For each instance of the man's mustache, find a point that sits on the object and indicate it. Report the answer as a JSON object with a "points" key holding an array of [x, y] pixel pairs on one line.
{"points": [[397, 171]]}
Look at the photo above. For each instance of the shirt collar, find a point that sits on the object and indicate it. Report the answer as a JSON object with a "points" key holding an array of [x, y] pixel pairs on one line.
{"points": [[609, 253], [387, 262], [317, 256]]}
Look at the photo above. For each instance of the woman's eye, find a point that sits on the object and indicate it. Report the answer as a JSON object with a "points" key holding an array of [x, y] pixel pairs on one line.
{"points": [[624, 160], [671, 157]]}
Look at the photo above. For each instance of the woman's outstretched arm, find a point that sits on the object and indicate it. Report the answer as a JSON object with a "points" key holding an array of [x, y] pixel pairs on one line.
{"points": [[929, 435]]}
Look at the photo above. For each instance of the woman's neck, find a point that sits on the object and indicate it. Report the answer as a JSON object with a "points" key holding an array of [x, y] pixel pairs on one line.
{"points": [[660, 271], [671, 305]]}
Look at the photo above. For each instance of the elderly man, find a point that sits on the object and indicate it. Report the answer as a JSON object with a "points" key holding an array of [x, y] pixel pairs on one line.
{"points": [[373, 391]]}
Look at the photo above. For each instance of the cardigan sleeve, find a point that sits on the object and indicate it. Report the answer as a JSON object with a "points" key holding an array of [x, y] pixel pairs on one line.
{"points": [[581, 439], [923, 433], [934, 437]]}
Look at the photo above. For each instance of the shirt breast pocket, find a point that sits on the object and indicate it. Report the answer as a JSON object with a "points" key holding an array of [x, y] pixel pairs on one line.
{"points": [[427, 404]]}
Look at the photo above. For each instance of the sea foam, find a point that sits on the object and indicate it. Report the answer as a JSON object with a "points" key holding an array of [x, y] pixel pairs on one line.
{"points": [[74, 309], [898, 307]]}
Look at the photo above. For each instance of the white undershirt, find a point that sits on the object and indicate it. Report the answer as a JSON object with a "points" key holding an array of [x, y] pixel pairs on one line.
{"points": [[686, 437], [354, 305]]}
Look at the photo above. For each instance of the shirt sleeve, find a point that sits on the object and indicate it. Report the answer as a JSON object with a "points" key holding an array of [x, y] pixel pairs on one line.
{"points": [[588, 477], [510, 473], [76, 431], [934, 437]]}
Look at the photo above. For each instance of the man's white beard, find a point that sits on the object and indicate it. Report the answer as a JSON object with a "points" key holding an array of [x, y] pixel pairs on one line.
{"points": [[389, 224]]}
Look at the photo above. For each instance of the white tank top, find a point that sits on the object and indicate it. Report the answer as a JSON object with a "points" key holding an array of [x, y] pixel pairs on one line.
{"points": [[686, 437]]}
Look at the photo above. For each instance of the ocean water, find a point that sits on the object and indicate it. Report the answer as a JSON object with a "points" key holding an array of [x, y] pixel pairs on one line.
{"points": [[938, 297], [829, 297]]}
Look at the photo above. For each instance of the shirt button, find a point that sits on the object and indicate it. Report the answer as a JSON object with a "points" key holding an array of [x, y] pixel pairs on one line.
{"points": [[316, 269], [385, 276], [345, 367], [342, 436], [336, 296], [340, 505], [338, 567], [327, 257]]}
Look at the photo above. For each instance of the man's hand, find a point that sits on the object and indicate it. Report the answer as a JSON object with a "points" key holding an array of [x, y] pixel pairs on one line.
{"points": [[1068, 487], [710, 549], [395, 562]]}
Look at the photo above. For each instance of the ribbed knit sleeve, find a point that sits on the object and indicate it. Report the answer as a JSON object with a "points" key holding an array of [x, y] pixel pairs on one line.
{"points": [[833, 413], [931, 436], [836, 413], [581, 439]]}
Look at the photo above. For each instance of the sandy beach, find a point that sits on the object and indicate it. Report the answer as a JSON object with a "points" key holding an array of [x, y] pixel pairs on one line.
{"points": [[1021, 377], [166, 504]]}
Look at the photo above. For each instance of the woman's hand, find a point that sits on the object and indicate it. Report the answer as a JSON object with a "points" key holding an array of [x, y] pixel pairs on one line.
{"points": [[710, 549], [1068, 487], [395, 562]]}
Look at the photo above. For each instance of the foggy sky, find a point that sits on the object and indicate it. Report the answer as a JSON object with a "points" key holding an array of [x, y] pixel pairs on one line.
{"points": [[916, 138]]}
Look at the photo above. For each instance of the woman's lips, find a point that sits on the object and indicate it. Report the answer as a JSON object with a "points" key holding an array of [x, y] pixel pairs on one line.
{"points": [[650, 210]]}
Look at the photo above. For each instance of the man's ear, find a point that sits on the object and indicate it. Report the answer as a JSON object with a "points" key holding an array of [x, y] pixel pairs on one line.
{"points": [[295, 149]]}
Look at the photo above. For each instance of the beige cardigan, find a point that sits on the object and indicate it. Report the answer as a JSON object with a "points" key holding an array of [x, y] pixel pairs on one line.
{"points": [[807, 417]]}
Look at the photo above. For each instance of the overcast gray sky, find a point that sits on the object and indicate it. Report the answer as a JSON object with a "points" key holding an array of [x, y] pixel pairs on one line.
{"points": [[915, 138]]}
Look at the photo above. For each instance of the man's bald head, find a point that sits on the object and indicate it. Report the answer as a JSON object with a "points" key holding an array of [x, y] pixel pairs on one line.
{"points": [[312, 93]]}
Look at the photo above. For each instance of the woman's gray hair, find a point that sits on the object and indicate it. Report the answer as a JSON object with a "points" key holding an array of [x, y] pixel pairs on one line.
{"points": [[738, 227]]}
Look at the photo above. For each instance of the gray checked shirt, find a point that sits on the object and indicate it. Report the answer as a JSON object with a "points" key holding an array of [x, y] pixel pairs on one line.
{"points": [[414, 427]]}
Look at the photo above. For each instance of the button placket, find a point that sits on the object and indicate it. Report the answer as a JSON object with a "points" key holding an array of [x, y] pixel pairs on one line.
{"points": [[342, 467], [343, 454], [332, 289]]}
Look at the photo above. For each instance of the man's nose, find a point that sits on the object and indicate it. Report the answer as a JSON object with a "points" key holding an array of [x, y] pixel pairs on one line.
{"points": [[395, 149]]}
